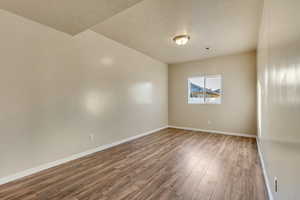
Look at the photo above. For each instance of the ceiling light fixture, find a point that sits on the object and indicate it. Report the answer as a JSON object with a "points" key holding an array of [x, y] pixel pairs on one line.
{"points": [[181, 39]]}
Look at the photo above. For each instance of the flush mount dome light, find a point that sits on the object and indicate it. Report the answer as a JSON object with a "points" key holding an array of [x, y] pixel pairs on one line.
{"points": [[181, 39]]}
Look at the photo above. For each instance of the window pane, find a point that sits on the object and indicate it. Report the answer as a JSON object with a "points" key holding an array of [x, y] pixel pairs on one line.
{"points": [[213, 89], [196, 90]]}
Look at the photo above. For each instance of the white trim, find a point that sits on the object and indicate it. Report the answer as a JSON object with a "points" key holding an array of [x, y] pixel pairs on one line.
{"points": [[73, 157], [265, 174], [214, 131], [205, 77]]}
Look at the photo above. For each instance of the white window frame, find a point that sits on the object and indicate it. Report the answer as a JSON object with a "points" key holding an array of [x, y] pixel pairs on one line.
{"points": [[204, 98]]}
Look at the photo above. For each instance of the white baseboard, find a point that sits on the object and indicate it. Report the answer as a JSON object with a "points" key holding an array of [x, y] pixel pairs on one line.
{"points": [[265, 174], [214, 131], [70, 158]]}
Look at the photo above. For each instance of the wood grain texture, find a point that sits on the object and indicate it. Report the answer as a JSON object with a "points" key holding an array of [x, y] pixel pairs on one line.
{"points": [[171, 164]]}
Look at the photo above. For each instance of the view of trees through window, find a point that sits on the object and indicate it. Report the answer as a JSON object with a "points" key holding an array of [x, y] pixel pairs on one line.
{"points": [[205, 89]]}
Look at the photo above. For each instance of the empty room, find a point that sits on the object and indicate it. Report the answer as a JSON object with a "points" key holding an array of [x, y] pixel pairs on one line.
{"points": [[149, 100]]}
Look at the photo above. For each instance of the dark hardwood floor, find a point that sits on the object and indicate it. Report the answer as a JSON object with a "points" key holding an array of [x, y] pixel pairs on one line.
{"points": [[169, 165]]}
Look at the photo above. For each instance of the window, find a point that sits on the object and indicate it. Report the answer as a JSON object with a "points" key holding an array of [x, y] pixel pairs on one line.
{"points": [[205, 89]]}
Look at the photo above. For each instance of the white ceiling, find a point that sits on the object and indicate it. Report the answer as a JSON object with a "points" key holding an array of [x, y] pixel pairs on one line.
{"points": [[227, 26], [70, 16]]}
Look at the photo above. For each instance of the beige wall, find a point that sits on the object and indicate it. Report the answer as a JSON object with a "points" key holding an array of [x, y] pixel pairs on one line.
{"points": [[236, 114], [56, 90], [279, 95]]}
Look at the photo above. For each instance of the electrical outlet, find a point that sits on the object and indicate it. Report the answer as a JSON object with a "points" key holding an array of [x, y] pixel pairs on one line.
{"points": [[275, 184], [92, 137], [209, 122]]}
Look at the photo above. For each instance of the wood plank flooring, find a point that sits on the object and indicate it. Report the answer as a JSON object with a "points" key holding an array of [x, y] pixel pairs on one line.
{"points": [[171, 164]]}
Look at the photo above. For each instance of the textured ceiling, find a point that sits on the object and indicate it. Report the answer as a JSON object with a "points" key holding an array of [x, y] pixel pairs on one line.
{"points": [[227, 26], [70, 16]]}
